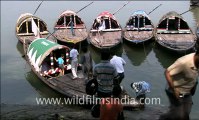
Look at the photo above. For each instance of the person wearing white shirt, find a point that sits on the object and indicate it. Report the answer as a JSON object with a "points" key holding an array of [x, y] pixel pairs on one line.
{"points": [[74, 61], [118, 63]]}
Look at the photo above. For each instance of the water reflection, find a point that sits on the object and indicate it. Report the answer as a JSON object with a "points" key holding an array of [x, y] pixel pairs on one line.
{"points": [[165, 57], [137, 54], [96, 55], [19, 47], [40, 87]]}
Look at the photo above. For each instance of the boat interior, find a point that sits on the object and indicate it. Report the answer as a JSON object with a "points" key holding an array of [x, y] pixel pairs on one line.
{"points": [[141, 23], [25, 28], [64, 22], [49, 66], [173, 25], [109, 24]]}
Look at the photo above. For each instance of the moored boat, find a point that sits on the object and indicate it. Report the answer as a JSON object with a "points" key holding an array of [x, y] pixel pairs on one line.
{"points": [[173, 33], [69, 28], [108, 37], [139, 28], [40, 56], [24, 27]]}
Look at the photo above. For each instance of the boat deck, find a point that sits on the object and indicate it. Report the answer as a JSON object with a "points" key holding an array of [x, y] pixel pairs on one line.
{"points": [[177, 41], [65, 35], [105, 39], [138, 35], [180, 39], [69, 86]]}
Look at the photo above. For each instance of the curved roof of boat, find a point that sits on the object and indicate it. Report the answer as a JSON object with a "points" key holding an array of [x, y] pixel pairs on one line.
{"points": [[39, 49], [170, 15], [140, 12], [67, 13], [106, 14], [27, 17]]}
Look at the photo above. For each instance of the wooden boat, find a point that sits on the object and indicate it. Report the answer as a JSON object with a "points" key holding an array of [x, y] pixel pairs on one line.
{"points": [[110, 36], [139, 28], [173, 33], [63, 28], [24, 27], [39, 55]]}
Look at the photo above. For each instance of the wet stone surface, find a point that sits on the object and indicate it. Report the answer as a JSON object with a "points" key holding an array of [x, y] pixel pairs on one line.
{"points": [[50, 112]]}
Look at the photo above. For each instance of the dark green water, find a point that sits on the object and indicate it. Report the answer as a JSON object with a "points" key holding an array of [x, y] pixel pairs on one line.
{"points": [[18, 83]]}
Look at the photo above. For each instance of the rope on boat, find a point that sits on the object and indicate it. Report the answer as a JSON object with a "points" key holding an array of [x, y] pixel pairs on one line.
{"points": [[121, 7], [84, 7], [154, 9], [188, 10], [38, 7]]}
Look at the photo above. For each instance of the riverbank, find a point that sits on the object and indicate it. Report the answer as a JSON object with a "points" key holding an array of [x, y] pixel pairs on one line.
{"points": [[50, 112]]}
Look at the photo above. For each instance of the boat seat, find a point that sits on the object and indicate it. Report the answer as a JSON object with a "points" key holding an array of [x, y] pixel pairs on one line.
{"points": [[51, 71]]}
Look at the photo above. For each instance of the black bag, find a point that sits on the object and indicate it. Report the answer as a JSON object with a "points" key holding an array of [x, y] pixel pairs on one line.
{"points": [[95, 111], [91, 87]]}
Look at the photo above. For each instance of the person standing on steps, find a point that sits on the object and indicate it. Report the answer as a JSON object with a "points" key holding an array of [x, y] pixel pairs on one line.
{"points": [[182, 81], [87, 63], [105, 74], [118, 63], [74, 61]]}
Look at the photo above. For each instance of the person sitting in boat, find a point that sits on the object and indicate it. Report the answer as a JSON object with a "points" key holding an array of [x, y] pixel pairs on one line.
{"points": [[44, 68], [60, 62], [74, 61], [97, 23], [102, 25]]}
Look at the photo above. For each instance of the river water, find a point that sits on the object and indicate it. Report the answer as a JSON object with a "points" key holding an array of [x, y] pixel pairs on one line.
{"points": [[19, 85]]}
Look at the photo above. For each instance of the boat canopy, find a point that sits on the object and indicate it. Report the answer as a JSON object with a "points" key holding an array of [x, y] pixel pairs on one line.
{"points": [[64, 19], [106, 14], [140, 13], [110, 21], [173, 21], [24, 24], [40, 48], [139, 20], [67, 13]]}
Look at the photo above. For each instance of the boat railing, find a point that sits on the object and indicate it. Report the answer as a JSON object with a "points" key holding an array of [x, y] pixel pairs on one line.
{"points": [[25, 34], [107, 30], [181, 31]]}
